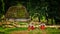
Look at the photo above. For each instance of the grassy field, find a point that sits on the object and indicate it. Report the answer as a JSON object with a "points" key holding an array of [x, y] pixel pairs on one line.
{"points": [[24, 30], [36, 31]]}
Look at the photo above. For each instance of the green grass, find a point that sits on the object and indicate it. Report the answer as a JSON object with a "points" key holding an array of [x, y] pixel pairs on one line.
{"points": [[48, 31], [36, 31], [7, 30]]}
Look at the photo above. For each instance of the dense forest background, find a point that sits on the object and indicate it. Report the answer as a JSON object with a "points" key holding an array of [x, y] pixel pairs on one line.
{"points": [[43, 9]]}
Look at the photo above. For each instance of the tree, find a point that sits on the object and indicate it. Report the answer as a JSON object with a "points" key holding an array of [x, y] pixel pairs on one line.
{"points": [[2, 9]]}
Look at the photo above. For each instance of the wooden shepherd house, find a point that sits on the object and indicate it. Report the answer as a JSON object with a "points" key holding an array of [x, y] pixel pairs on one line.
{"points": [[17, 13]]}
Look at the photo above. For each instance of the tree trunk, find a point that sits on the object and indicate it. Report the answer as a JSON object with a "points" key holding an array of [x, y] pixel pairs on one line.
{"points": [[47, 20], [46, 15], [39, 18]]}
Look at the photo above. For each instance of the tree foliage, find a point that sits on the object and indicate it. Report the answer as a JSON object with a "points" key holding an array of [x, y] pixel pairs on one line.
{"points": [[49, 9]]}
